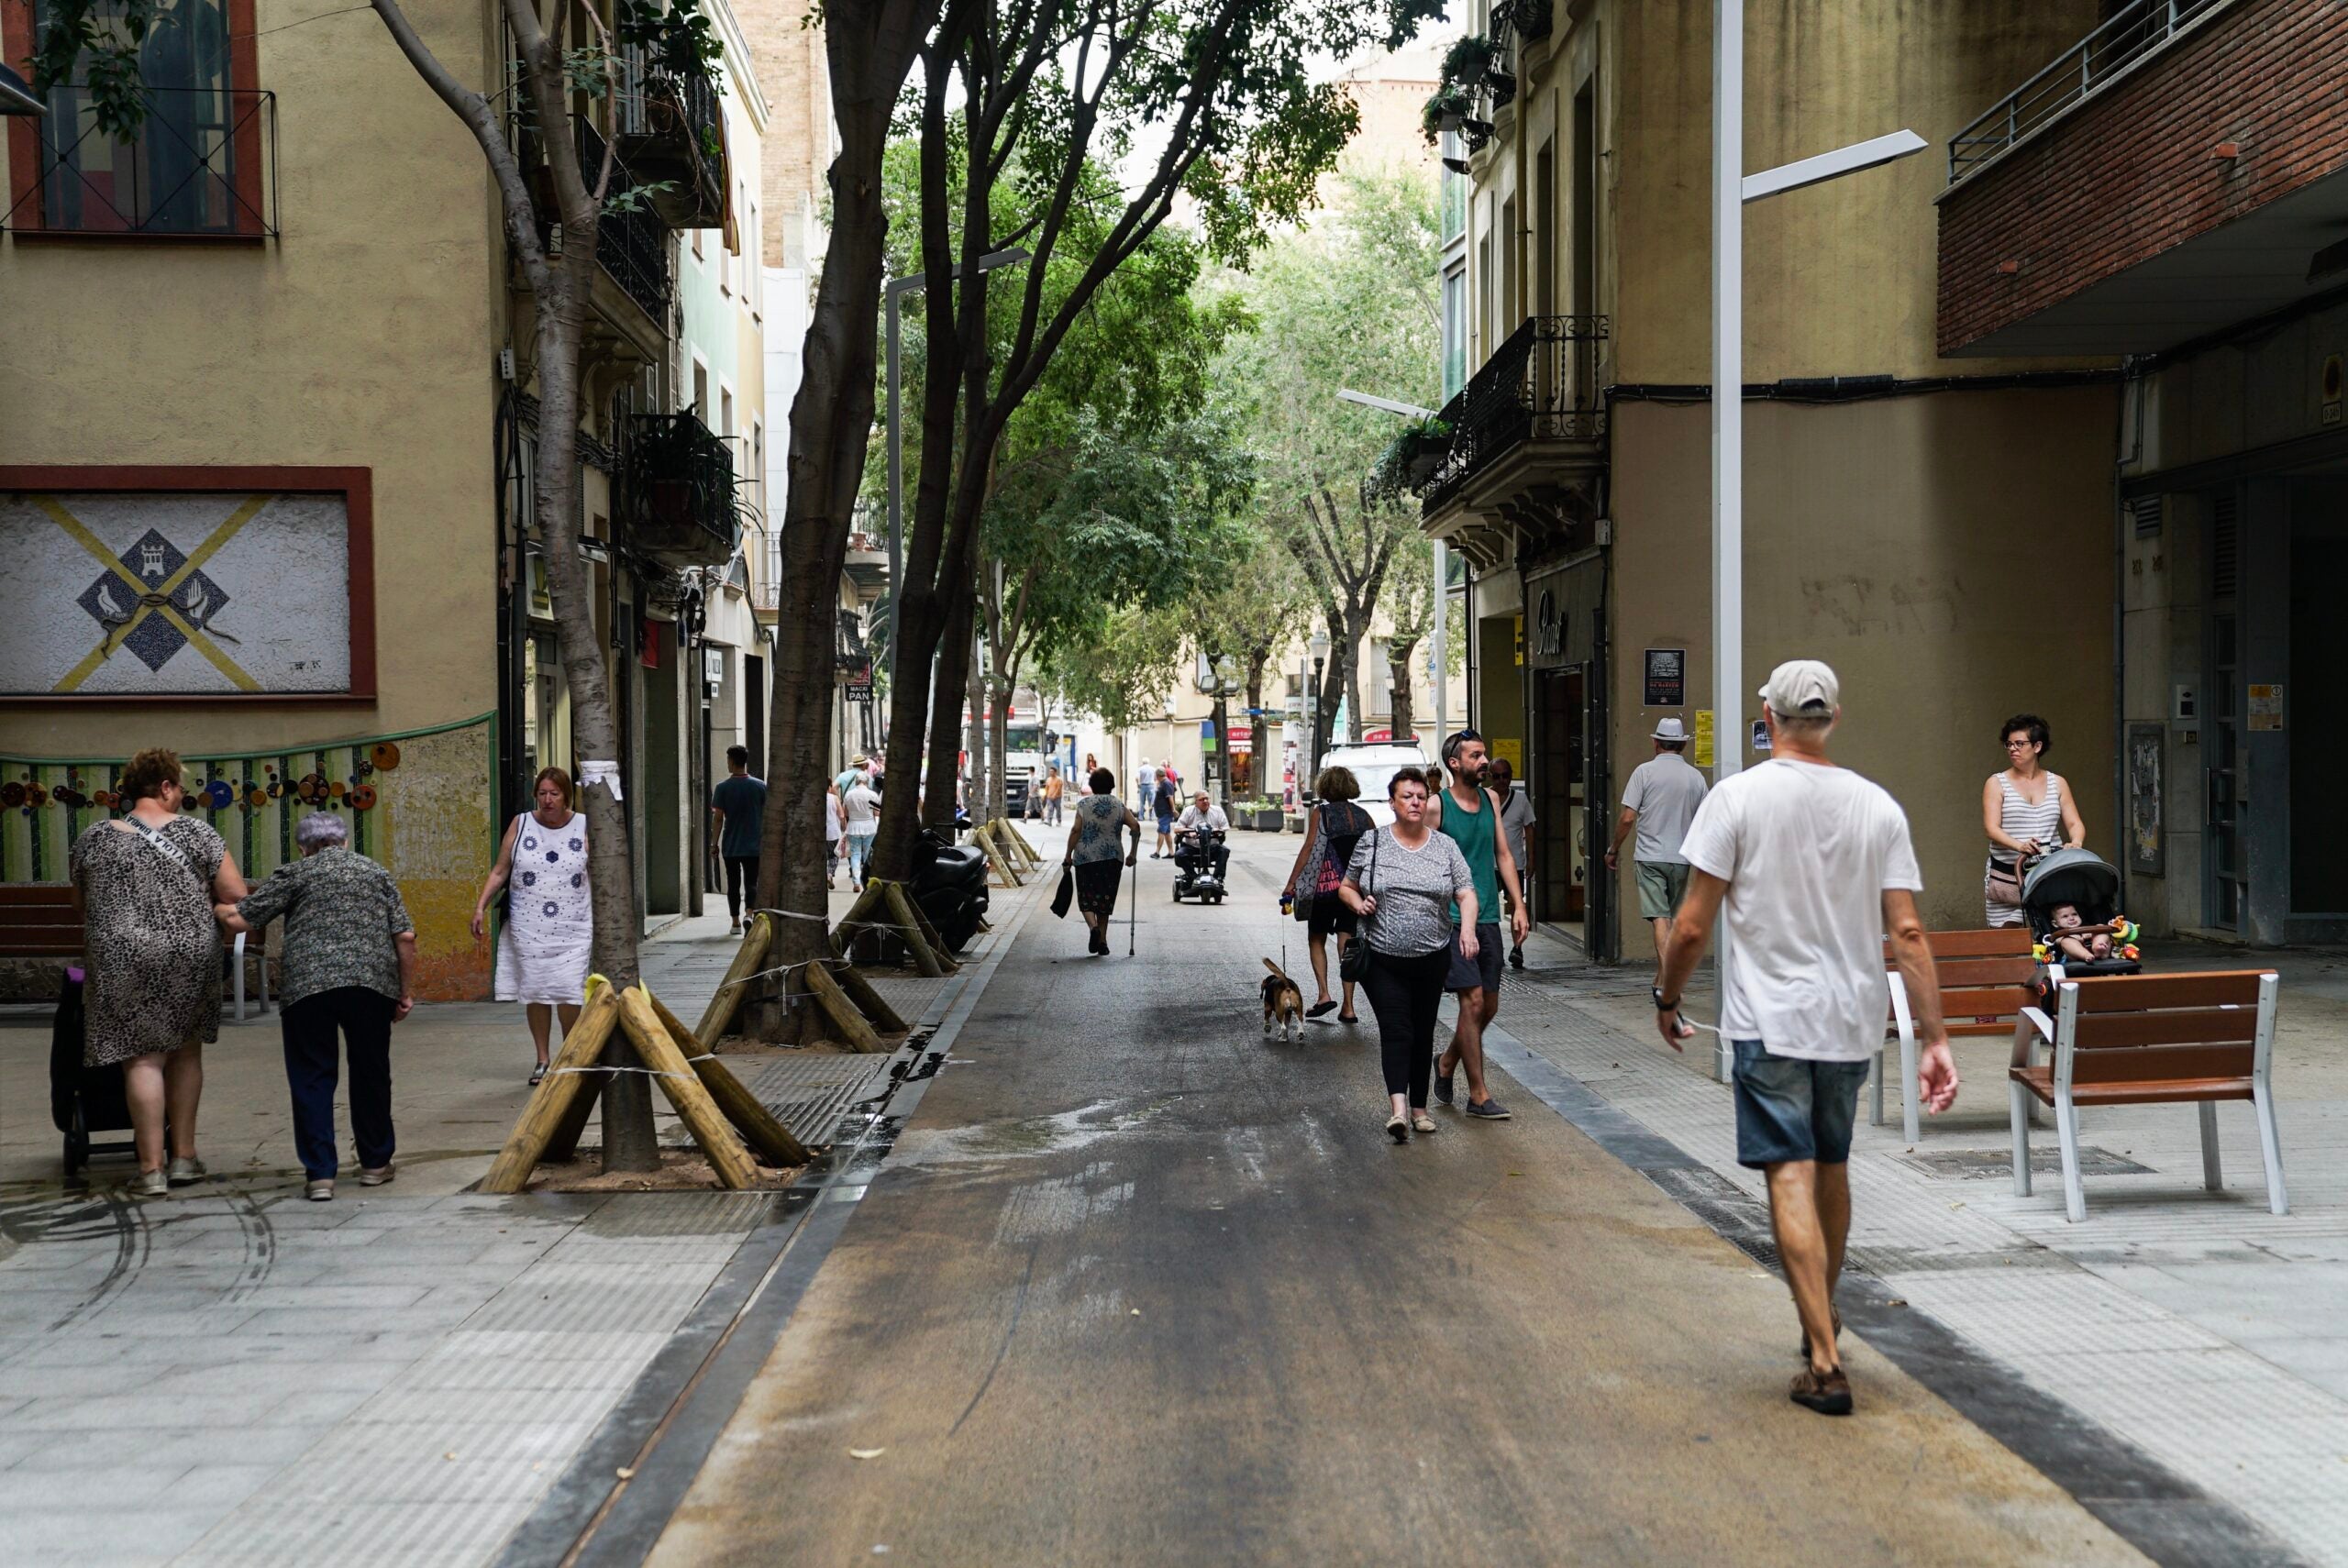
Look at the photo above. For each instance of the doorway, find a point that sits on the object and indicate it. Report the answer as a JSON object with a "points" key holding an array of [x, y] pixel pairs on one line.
{"points": [[1560, 751], [663, 812]]}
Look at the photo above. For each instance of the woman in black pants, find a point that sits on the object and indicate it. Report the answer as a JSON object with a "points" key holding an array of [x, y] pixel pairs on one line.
{"points": [[1402, 882]]}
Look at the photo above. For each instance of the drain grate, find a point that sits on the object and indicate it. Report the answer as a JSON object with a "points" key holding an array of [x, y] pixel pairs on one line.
{"points": [[1981, 1165]]}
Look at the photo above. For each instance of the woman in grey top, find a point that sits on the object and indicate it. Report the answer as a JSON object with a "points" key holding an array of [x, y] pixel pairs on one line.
{"points": [[349, 966], [1401, 883]]}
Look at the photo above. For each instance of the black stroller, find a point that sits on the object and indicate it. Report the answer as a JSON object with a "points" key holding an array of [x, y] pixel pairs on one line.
{"points": [[2090, 885]]}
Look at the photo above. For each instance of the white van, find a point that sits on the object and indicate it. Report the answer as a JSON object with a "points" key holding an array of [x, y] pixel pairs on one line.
{"points": [[1373, 766]]}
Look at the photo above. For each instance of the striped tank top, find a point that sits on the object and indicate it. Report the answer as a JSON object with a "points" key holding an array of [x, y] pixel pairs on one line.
{"points": [[2023, 822]]}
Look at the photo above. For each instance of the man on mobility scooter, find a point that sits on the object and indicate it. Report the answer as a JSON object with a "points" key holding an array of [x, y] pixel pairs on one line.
{"points": [[1200, 856]]}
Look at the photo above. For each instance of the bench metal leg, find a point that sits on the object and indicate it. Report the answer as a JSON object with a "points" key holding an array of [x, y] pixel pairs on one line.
{"points": [[1911, 1112], [2212, 1172], [2019, 1100], [1876, 1088], [2067, 1129], [2271, 1142]]}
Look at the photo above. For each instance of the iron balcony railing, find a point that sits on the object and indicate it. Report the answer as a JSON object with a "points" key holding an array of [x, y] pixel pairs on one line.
{"points": [[679, 486], [653, 102], [202, 163], [1539, 385], [2131, 34], [631, 243]]}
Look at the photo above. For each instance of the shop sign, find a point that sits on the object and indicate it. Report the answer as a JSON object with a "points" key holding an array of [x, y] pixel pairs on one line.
{"points": [[2265, 708]]}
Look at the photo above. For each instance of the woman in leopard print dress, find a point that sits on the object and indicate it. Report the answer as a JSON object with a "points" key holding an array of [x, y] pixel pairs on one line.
{"points": [[146, 884]]}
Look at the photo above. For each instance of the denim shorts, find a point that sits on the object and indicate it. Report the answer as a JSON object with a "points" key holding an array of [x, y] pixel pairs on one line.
{"points": [[1483, 971], [1790, 1109]]}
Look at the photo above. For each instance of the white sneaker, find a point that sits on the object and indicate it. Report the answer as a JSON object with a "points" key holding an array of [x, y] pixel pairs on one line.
{"points": [[147, 1184], [1421, 1122], [319, 1192], [378, 1175], [187, 1172]]}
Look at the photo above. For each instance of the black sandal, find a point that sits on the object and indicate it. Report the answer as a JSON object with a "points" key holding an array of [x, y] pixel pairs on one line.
{"points": [[1349, 1018], [537, 1075]]}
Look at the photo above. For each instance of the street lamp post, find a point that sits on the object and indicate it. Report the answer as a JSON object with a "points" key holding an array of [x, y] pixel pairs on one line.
{"points": [[1732, 189], [1320, 649], [896, 290]]}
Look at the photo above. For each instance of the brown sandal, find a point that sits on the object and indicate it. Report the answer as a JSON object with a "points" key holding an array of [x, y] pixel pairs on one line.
{"points": [[1828, 1393]]}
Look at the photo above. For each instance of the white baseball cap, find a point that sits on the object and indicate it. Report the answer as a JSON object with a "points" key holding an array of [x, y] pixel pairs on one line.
{"points": [[1802, 687], [1670, 730]]}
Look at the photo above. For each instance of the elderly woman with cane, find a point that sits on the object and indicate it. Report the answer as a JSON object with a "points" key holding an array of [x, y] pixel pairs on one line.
{"points": [[1102, 822], [349, 966]]}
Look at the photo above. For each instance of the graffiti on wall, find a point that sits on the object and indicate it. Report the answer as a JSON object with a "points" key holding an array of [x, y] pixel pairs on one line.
{"points": [[138, 593], [419, 802]]}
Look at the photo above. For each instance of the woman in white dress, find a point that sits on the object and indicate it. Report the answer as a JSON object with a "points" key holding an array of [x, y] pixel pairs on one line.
{"points": [[549, 919]]}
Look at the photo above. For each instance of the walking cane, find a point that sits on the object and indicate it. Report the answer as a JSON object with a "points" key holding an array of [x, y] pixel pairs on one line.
{"points": [[1133, 912]]}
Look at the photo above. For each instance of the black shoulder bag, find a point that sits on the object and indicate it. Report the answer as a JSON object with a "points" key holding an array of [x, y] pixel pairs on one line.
{"points": [[1353, 966]]}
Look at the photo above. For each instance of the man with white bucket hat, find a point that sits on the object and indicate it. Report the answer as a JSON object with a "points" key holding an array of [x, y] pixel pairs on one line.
{"points": [[1660, 801]]}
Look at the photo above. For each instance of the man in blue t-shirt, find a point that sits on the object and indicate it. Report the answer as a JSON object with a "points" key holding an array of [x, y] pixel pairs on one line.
{"points": [[738, 810]]}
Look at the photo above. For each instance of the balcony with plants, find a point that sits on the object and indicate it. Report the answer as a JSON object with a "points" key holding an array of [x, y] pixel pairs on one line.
{"points": [[669, 128], [678, 505]]}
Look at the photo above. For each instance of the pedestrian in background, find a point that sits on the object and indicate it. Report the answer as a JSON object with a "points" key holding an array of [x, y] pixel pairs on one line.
{"points": [[1516, 823], [1810, 866], [1162, 805], [738, 810], [1093, 844], [2026, 812], [1469, 813], [835, 831], [1660, 801], [350, 952], [1054, 787], [1332, 828], [860, 810], [859, 766], [1400, 882], [146, 885], [549, 934]]}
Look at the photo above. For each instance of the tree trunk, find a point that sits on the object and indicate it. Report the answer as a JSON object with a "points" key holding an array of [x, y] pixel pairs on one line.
{"points": [[945, 713], [1260, 728], [869, 47], [974, 743], [628, 1143], [1405, 702]]}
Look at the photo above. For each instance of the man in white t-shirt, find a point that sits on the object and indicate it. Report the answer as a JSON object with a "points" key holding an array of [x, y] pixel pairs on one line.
{"points": [[1812, 865], [1660, 799]]}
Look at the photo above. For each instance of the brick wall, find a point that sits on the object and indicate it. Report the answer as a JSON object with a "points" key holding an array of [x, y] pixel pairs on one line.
{"points": [[2132, 172], [797, 151]]}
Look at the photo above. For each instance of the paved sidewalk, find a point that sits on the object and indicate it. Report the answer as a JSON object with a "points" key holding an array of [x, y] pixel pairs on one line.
{"points": [[233, 1376], [2207, 1331]]}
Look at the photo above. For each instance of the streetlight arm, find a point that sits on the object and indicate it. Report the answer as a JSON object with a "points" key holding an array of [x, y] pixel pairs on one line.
{"points": [[1830, 165], [1385, 405]]}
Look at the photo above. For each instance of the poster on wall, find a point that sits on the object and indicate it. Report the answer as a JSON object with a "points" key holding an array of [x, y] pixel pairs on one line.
{"points": [[1667, 678], [2146, 748], [140, 594]]}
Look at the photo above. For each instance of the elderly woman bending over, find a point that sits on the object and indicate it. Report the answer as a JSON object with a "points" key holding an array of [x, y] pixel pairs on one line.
{"points": [[349, 966]]}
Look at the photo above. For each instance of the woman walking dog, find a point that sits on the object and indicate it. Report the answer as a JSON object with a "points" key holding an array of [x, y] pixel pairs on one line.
{"points": [[1401, 883], [1331, 830]]}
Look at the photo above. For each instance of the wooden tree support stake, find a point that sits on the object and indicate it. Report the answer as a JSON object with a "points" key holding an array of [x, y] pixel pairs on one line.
{"points": [[868, 906], [1020, 846], [734, 989], [913, 927], [562, 1098], [983, 836], [683, 1086], [869, 1001], [838, 1007], [772, 1141]]}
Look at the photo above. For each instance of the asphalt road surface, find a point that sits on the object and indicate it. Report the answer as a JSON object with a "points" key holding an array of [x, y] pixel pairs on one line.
{"points": [[1139, 1286]]}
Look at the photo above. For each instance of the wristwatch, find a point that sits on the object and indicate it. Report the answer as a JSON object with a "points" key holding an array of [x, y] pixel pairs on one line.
{"points": [[1660, 1004]]}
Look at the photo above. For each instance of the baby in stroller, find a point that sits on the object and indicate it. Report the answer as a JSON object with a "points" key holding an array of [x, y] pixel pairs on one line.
{"points": [[2071, 898]]}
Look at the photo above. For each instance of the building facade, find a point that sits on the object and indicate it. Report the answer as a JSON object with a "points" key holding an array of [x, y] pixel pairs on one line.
{"points": [[272, 504], [1906, 512], [2167, 190]]}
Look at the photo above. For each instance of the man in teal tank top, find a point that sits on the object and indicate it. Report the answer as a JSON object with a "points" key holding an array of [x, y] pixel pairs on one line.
{"points": [[1470, 814]]}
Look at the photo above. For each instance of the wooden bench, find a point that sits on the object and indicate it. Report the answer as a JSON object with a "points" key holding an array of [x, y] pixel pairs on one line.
{"points": [[2150, 1040], [37, 920], [1984, 977]]}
